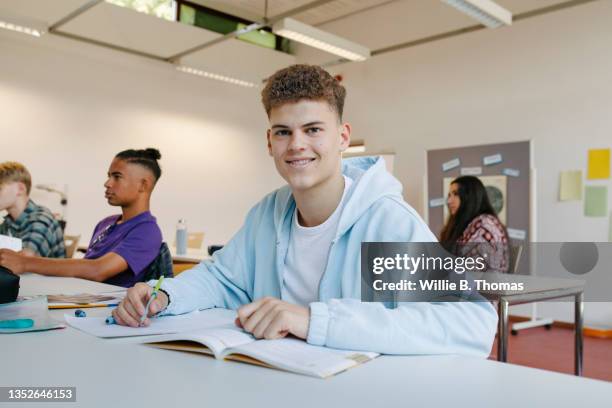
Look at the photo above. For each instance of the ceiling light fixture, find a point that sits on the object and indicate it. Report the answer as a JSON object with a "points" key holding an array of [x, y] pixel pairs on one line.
{"points": [[300, 32], [487, 12], [211, 75], [23, 27]]}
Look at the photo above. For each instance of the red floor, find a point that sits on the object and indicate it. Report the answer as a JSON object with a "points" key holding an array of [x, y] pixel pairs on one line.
{"points": [[554, 350]]}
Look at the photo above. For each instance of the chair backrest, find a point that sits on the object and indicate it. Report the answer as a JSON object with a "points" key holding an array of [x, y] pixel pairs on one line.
{"points": [[161, 265], [194, 240], [70, 243], [515, 257]]}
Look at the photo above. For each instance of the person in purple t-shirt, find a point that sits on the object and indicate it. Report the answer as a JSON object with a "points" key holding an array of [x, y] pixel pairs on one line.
{"points": [[122, 246]]}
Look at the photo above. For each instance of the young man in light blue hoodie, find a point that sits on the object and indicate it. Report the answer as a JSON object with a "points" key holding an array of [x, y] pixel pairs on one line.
{"points": [[294, 266]]}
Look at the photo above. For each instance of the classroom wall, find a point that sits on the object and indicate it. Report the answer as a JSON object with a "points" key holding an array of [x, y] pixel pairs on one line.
{"points": [[68, 108], [547, 78]]}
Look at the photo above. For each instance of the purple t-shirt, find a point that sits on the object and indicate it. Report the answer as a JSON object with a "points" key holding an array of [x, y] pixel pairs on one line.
{"points": [[137, 241]]}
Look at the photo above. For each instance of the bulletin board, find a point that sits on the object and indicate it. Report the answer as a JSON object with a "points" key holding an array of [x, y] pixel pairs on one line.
{"points": [[504, 169]]}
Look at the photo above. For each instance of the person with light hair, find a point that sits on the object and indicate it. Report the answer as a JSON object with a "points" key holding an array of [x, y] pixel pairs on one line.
{"points": [[39, 231]]}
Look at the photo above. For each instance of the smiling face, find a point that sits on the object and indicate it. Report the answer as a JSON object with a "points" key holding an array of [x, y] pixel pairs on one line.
{"points": [[125, 183], [306, 141], [453, 200]]}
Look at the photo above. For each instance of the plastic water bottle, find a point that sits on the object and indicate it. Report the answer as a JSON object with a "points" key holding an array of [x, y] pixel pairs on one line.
{"points": [[181, 237]]}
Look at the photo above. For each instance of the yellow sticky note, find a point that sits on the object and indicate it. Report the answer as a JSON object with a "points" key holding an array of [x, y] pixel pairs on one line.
{"points": [[570, 187], [599, 164]]}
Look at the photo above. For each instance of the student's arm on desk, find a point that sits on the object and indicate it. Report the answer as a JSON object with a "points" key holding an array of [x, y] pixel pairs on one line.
{"points": [[92, 269], [466, 328], [224, 281]]}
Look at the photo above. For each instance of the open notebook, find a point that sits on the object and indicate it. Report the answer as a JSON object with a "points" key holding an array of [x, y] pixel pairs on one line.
{"points": [[213, 332], [290, 354]]}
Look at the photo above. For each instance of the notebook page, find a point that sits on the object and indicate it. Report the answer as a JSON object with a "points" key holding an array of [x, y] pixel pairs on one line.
{"points": [[216, 339], [97, 326], [298, 356]]}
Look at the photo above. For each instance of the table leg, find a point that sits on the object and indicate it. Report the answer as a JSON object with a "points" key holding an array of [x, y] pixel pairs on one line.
{"points": [[502, 335], [578, 310]]}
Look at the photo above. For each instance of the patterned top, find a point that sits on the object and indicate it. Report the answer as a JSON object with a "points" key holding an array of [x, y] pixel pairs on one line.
{"points": [[38, 229], [485, 236]]}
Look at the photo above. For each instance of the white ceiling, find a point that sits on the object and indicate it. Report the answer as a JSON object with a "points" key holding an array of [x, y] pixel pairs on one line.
{"points": [[374, 23], [255, 9]]}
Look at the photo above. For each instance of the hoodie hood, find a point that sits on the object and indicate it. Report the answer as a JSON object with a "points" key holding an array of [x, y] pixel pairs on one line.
{"points": [[371, 182]]}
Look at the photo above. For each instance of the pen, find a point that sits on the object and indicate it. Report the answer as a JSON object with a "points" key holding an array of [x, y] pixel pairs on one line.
{"points": [[153, 296], [73, 306], [111, 319]]}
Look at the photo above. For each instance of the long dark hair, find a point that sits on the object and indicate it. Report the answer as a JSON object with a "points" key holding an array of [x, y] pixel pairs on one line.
{"points": [[145, 157], [474, 202]]}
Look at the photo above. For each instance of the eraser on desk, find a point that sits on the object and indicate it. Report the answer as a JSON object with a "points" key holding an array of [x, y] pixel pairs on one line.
{"points": [[16, 324], [80, 313]]}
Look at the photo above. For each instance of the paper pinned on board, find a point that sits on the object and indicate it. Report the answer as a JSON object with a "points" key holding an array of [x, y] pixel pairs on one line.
{"points": [[11, 243], [451, 164], [491, 160], [437, 202], [599, 164], [596, 201], [517, 234], [471, 171], [570, 185], [511, 172]]}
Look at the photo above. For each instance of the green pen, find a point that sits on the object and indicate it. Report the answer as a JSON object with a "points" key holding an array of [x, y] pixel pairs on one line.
{"points": [[153, 296]]}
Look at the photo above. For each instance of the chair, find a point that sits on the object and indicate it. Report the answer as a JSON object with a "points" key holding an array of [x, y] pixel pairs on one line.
{"points": [[161, 265], [70, 243], [194, 240], [515, 257]]}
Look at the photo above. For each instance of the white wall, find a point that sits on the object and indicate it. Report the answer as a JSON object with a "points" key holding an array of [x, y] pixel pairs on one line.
{"points": [[547, 78], [68, 108]]}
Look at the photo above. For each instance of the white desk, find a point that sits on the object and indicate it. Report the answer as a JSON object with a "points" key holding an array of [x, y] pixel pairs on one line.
{"points": [[192, 256], [117, 373], [32, 284]]}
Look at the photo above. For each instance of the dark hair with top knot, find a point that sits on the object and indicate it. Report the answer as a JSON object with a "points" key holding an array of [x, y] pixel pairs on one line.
{"points": [[145, 157], [302, 81]]}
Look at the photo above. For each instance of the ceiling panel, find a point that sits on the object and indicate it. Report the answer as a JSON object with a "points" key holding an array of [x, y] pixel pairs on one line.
{"points": [[409, 20], [47, 12], [137, 31], [240, 60], [254, 10]]}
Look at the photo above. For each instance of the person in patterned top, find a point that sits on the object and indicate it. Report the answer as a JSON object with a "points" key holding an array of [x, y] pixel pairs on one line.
{"points": [[472, 228], [38, 229]]}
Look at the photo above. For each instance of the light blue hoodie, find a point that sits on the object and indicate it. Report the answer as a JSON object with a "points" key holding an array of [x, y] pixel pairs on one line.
{"points": [[250, 267]]}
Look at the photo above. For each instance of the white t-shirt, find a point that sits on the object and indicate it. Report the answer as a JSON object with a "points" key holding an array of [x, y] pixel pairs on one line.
{"points": [[307, 256]]}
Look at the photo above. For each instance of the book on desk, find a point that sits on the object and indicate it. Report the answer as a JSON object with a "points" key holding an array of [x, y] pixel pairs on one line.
{"points": [[213, 333]]}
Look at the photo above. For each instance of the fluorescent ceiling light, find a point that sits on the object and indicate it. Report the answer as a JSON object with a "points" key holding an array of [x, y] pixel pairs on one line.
{"points": [[217, 77], [22, 26], [300, 32], [487, 12]]}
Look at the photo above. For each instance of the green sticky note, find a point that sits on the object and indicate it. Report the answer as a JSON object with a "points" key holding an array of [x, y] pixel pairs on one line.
{"points": [[596, 201], [570, 185]]}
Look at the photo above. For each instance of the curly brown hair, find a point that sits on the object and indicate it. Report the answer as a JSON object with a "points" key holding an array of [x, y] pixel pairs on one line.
{"points": [[303, 81]]}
